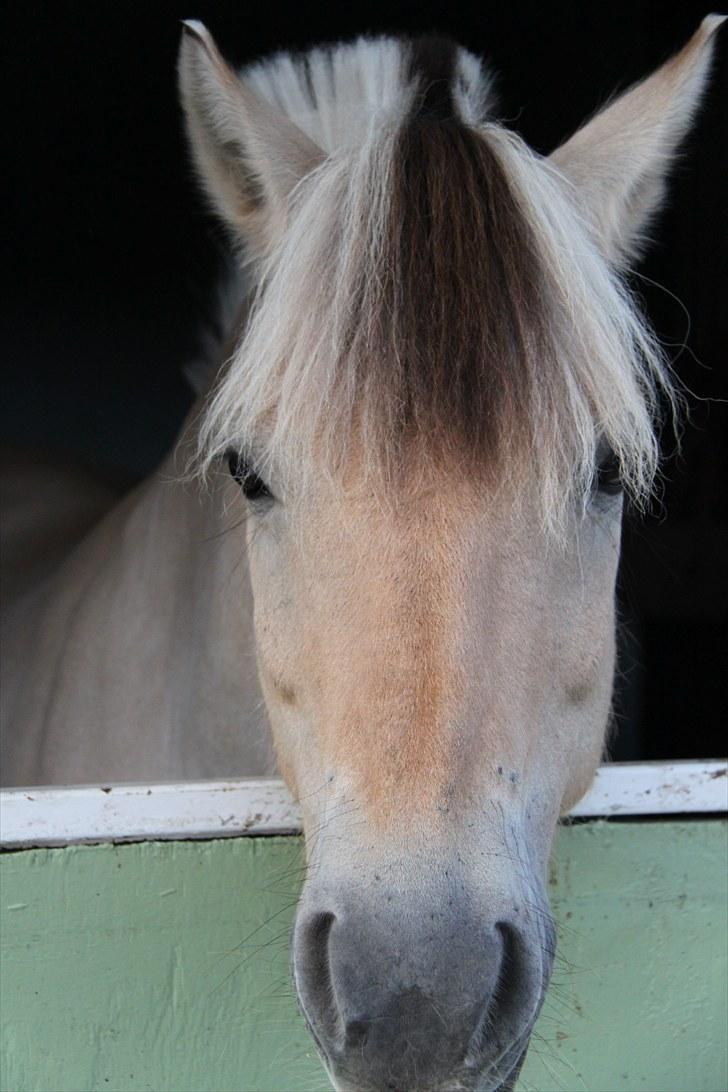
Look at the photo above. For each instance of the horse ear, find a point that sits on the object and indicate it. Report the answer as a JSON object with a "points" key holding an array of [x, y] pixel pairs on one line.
{"points": [[249, 156], [619, 160]]}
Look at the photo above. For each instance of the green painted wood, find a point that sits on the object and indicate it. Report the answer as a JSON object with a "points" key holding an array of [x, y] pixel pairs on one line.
{"points": [[164, 966]]}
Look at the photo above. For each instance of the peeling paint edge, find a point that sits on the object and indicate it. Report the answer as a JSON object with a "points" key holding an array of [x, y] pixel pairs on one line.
{"points": [[57, 816]]}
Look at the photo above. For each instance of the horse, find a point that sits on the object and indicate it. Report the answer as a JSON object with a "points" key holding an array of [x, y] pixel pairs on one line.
{"points": [[394, 532]]}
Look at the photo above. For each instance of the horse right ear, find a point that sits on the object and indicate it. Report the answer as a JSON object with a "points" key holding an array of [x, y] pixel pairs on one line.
{"points": [[618, 162], [248, 155]]}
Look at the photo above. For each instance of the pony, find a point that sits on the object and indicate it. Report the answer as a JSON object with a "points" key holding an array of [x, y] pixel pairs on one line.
{"points": [[395, 534]]}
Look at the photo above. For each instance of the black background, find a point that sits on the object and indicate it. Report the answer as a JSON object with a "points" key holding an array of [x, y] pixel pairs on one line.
{"points": [[111, 258]]}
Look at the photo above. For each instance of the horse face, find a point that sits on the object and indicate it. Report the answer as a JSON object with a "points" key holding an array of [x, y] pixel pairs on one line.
{"points": [[437, 674]]}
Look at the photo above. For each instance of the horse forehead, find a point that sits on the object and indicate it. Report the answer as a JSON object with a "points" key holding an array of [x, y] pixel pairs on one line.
{"points": [[404, 595], [449, 520]]}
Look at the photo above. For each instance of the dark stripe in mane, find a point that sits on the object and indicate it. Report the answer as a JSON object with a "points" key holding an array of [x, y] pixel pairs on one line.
{"points": [[305, 61], [432, 65], [461, 316]]}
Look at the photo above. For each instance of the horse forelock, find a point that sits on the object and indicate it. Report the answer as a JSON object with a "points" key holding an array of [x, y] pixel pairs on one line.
{"points": [[436, 292]]}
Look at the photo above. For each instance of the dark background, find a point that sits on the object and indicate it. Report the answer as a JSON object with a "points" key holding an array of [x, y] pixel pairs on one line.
{"points": [[111, 259]]}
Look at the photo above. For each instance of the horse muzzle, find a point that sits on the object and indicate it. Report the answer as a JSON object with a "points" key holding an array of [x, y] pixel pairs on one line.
{"points": [[408, 994]]}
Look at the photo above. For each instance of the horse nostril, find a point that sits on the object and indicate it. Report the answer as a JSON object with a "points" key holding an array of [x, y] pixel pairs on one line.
{"points": [[512, 969], [314, 973], [502, 1021]]}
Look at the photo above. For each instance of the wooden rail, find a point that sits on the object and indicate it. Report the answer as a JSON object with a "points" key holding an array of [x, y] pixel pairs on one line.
{"points": [[262, 806]]}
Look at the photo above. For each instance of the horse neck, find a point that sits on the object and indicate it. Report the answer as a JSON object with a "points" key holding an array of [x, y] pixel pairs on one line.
{"points": [[145, 666]]}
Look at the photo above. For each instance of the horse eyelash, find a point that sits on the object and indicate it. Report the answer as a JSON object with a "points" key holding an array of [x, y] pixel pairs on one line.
{"points": [[243, 472], [608, 475]]}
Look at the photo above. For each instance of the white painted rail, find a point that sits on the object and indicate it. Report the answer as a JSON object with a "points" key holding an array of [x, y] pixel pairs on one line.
{"points": [[656, 788], [218, 809]]}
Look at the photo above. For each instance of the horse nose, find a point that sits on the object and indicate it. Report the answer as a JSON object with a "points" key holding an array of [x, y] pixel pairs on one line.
{"points": [[393, 1011]]}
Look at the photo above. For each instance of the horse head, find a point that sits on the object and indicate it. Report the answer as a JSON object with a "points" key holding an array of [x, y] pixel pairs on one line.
{"points": [[440, 396]]}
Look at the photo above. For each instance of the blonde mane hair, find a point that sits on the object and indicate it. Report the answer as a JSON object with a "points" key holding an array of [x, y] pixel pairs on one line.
{"points": [[436, 287]]}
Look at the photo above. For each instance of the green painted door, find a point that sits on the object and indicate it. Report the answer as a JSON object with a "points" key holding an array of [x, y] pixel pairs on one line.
{"points": [[164, 966]]}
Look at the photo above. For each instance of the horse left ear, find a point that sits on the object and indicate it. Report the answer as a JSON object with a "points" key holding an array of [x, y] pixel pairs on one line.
{"points": [[249, 156], [618, 161]]}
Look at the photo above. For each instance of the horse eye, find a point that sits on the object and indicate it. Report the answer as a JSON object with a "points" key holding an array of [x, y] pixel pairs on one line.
{"points": [[252, 485], [608, 477]]}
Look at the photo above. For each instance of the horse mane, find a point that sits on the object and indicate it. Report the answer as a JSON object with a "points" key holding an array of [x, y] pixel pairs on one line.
{"points": [[436, 291]]}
